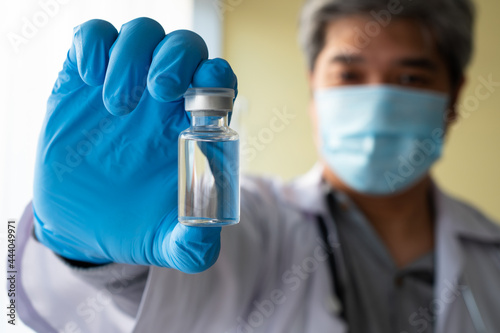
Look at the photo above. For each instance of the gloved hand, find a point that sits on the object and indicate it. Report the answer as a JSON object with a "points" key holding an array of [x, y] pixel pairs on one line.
{"points": [[105, 185]]}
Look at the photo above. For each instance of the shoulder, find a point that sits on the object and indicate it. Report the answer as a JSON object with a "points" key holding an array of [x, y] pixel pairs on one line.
{"points": [[274, 196], [261, 188], [468, 220], [302, 194], [261, 202]]}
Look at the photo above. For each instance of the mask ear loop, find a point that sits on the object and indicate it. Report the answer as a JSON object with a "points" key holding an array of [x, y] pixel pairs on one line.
{"points": [[471, 304]]}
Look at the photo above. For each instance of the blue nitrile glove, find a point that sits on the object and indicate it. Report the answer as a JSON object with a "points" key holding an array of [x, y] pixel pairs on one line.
{"points": [[105, 185]]}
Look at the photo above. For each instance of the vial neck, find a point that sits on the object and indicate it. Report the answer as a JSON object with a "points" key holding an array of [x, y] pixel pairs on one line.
{"points": [[209, 120]]}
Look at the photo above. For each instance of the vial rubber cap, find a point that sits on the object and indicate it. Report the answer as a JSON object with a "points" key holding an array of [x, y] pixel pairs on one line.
{"points": [[209, 99]]}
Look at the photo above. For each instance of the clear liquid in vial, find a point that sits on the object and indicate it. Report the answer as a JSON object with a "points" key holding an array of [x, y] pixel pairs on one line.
{"points": [[209, 191]]}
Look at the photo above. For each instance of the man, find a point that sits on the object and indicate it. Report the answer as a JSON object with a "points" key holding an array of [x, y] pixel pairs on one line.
{"points": [[365, 242]]}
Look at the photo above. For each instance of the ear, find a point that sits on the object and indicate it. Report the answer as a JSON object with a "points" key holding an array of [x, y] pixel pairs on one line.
{"points": [[452, 114]]}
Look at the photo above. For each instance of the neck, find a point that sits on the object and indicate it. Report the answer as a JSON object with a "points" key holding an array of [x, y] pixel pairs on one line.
{"points": [[403, 221]]}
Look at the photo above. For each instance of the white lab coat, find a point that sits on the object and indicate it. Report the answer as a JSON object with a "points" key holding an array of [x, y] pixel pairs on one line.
{"points": [[271, 276]]}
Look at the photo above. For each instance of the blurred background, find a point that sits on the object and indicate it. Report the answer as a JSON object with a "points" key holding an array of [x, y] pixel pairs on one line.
{"points": [[258, 38]]}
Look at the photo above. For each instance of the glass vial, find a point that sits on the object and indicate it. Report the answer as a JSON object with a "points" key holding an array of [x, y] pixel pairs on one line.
{"points": [[209, 184]]}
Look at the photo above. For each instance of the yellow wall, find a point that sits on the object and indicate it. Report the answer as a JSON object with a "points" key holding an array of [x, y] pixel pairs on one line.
{"points": [[261, 45]]}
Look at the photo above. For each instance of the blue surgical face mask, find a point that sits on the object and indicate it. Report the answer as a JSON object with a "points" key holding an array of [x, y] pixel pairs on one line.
{"points": [[380, 139]]}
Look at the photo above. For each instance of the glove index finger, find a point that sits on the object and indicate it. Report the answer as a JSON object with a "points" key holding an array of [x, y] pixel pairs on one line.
{"points": [[175, 61]]}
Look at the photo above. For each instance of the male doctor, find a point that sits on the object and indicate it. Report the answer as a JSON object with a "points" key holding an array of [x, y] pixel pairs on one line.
{"points": [[365, 242]]}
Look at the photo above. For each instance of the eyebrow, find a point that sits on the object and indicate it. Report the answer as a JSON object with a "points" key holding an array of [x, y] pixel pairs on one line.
{"points": [[347, 59], [421, 62], [424, 63]]}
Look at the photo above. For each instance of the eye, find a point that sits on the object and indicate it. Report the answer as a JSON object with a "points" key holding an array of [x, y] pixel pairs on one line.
{"points": [[414, 80], [349, 76]]}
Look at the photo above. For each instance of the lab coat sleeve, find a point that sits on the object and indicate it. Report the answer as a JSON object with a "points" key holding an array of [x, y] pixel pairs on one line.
{"points": [[53, 296], [124, 282]]}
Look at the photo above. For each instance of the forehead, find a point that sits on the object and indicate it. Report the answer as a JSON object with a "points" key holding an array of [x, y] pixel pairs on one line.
{"points": [[363, 34]]}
